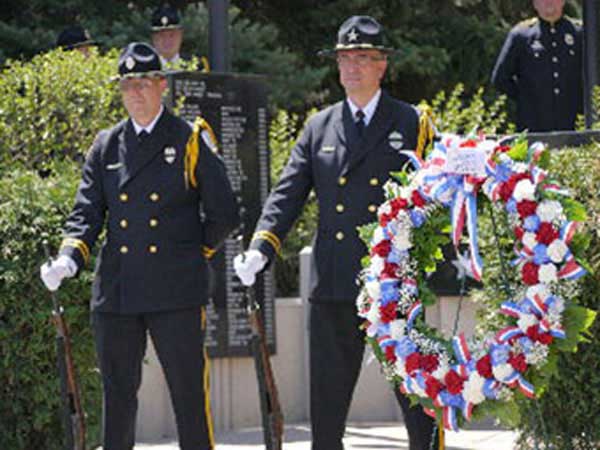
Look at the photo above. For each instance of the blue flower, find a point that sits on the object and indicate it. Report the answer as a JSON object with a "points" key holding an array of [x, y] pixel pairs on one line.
{"points": [[503, 172], [389, 291], [417, 217], [499, 353], [452, 400], [405, 347], [526, 344], [540, 254], [511, 206], [396, 256], [531, 223]]}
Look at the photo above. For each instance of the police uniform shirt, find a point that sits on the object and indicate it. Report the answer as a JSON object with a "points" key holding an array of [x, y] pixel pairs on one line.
{"points": [[347, 175], [540, 67], [160, 230], [368, 110]]}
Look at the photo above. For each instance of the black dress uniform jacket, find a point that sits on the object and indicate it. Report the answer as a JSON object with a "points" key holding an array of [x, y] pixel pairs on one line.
{"points": [[347, 175], [540, 67], [158, 228]]}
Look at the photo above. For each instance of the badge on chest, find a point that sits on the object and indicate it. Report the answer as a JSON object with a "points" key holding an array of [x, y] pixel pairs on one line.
{"points": [[170, 154], [396, 140]]}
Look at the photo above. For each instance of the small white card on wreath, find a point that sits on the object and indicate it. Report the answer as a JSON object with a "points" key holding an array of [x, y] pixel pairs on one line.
{"points": [[466, 161]]}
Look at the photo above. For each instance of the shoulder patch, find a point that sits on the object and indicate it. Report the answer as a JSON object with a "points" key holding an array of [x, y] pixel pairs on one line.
{"points": [[574, 21]]}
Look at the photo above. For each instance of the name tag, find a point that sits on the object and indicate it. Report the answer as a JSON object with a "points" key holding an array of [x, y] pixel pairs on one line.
{"points": [[466, 161], [328, 148], [114, 166]]}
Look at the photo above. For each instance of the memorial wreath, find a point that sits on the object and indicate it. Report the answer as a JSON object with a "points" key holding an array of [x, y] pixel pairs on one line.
{"points": [[458, 378]]}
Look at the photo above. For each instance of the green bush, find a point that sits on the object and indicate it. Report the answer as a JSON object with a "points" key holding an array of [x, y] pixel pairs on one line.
{"points": [[54, 105], [569, 406], [33, 209]]}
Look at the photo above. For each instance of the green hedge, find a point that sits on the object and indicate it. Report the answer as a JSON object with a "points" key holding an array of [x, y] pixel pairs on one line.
{"points": [[33, 209]]}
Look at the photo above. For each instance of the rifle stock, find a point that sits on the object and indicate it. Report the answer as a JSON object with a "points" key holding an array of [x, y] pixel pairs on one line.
{"points": [[272, 416], [73, 415]]}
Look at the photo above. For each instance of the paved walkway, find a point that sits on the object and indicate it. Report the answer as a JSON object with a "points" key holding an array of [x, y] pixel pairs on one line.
{"points": [[359, 436]]}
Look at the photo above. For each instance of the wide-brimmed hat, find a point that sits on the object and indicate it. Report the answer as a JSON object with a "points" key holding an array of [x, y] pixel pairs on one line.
{"points": [[359, 32], [139, 60], [73, 37], [165, 17]]}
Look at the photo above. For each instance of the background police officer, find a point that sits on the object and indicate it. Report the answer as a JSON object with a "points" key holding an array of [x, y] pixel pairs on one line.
{"points": [[540, 67], [167, 37], [75, 37], [148, 178], [345, 154]]}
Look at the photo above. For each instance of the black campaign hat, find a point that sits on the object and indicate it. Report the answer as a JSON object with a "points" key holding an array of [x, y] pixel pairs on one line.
{"points": [[139, 60], [74, 36], [359, 32], [165, 17]]}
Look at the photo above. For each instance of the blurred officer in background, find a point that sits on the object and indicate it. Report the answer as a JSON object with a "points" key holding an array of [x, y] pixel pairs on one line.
{"points": [[540, 66]]}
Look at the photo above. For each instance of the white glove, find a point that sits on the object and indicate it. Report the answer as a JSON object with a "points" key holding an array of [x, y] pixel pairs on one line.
{"points": [[248, 264], [53, 272]]}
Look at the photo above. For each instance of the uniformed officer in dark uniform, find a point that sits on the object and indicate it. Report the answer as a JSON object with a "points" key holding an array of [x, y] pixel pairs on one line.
{"points": [[75, 37], [167, 37], [163, 194], [345, 155], [540, 67]]}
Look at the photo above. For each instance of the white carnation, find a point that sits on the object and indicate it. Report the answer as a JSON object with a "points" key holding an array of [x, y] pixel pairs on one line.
{"points": [[547, 273], [442, 369], [526, 320], [373, 314], [378, 236], [502, 371], [397, 328], [373, 289], [402, 240], [473, 389], [524, 190], [557, 250], [385, 208], [377, 265], [529, 240], [538, 289], [400, 368], [548, 210], [558, 305], [520, 167]]}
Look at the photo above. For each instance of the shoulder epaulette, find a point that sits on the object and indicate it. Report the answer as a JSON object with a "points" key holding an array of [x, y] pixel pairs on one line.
{"points": [[574, 21], [192, 149]]}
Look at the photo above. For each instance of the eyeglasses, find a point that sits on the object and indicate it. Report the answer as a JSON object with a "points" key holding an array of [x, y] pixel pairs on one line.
{"points": [[130, 84], [358, 60]]}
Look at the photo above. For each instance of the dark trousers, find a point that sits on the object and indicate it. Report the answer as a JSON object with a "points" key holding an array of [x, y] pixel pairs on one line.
{"points": [[178, 338], [336, 352]]}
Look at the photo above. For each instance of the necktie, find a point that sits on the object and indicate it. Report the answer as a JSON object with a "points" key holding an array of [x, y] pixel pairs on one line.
{"points": [[360, 123], [143, 136]]}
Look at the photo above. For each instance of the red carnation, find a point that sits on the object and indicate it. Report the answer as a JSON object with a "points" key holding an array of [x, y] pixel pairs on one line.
{"points": [[484, 366], [469, 143], [433, 387], [529, 272], [507, 188], [388, 312], [382, 249], [454, 382], [546, 233], [397, 204], [417, 199], [545, 338], [526, 208], [429, 363], [518, 362], [413, 362], [502, 148], [389, 270], [384, 219], [390, 354], [519, 232], [533, 333]]}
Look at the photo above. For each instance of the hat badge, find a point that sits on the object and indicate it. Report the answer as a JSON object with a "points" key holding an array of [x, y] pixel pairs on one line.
{"points": [[164, 20], [130, 63], [170, 154], [352, 35], [396, 140]]}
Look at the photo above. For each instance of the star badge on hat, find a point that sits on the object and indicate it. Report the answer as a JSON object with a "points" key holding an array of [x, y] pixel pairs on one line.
{"points": [[164, 20], [170, 153], [396, 140], [352, 35], [130, 63]]}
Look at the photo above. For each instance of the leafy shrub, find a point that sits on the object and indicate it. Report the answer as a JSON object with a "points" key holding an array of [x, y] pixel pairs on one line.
{"points": [[33, 209]]}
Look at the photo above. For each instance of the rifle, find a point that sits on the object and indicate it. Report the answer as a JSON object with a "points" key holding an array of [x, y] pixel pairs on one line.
{"points": [[272, 416], [73, 417]]}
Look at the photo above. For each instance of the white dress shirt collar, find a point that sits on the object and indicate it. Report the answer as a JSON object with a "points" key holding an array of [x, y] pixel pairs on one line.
{"points": [[368, 110], [148, 128]]}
